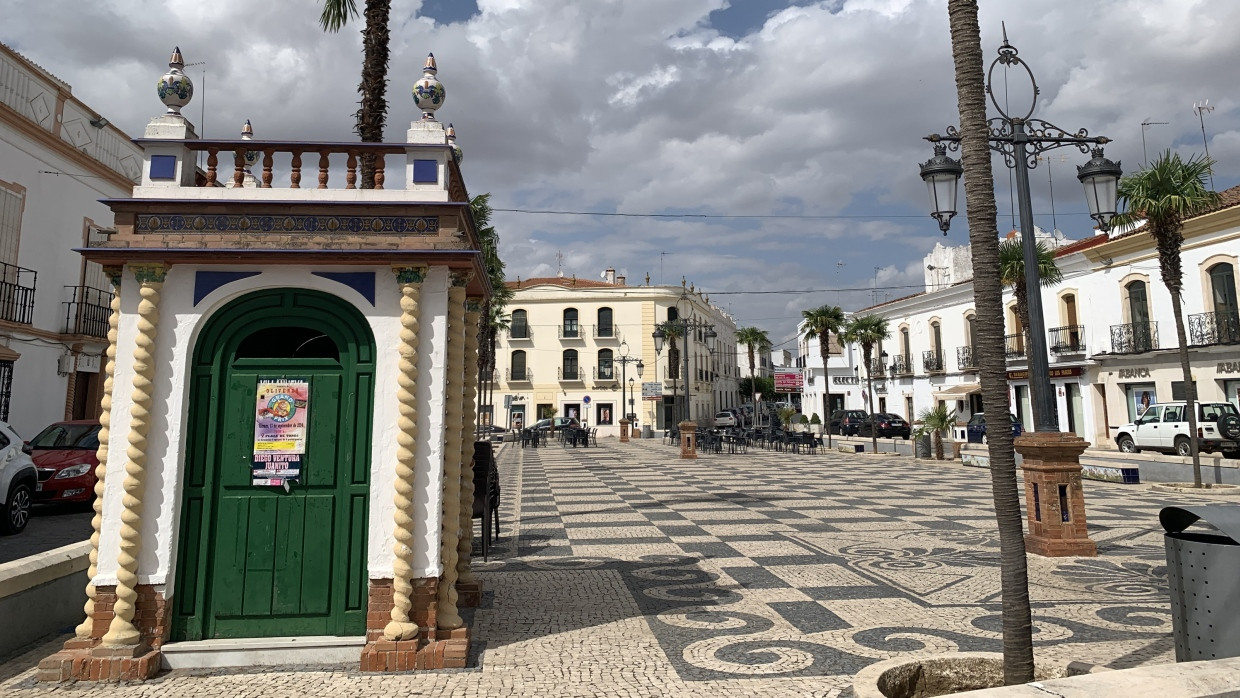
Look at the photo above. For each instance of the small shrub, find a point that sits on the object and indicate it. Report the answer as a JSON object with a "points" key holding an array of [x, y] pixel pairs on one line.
{"points": [[814, 419], [804, 419]]}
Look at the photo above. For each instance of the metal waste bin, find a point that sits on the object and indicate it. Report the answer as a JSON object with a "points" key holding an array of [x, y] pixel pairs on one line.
{"points": [[1203, 573], [647, 431], [922, 447]]}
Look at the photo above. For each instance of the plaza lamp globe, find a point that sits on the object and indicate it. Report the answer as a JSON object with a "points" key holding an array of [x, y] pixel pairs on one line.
{"points": [[710, 339], [641, 368], [659, 338], [1100, 178], [942, 176]]}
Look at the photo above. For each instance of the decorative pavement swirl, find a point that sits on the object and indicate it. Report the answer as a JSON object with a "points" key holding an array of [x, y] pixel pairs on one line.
{"points": [[624, 571]]}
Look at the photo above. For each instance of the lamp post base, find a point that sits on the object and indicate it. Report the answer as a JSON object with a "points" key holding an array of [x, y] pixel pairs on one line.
{"points": [[624, 431], [1054, 499]]}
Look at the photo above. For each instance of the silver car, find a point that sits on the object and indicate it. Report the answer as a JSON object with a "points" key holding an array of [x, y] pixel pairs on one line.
{"points": [[18, 480]]}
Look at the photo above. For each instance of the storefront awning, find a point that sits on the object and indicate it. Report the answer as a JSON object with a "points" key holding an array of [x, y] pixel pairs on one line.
{"points": [[957, 392]]}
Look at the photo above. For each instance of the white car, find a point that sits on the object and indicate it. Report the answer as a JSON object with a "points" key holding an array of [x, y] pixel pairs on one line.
{"points": [[18, 480], [1164, 427], [725, 419]]}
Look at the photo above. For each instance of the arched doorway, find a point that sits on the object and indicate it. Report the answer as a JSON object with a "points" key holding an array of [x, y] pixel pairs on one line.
{"points": [[269, 561]]}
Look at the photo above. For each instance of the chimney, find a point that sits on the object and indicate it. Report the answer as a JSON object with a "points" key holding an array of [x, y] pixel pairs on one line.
{"points": [[610, 275], [619, 280]]}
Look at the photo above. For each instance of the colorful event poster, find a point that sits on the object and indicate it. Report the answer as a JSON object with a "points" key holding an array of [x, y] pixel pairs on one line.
{"points": [[1142, 399], [281, 414]]}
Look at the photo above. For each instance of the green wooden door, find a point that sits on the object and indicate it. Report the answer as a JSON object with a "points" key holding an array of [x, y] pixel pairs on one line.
{"points": [[258, 561]]}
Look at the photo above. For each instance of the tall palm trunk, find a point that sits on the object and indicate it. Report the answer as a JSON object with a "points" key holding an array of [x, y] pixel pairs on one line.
{"points": [[372, 114], [753, 386], [988, 299], [1190, 390], [824, 348], [868, 349]]}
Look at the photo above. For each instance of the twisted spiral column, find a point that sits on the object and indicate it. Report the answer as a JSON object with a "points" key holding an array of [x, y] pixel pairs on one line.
{"points": [[84, 629], [449, 533], [464, 573], [122, 632], [401, 627]]}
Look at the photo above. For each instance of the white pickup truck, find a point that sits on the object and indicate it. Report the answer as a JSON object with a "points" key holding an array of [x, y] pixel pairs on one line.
{"points": [[1164, 427]]}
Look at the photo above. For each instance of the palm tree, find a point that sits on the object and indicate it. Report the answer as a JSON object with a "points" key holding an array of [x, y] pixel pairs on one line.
{"points": [[494, 319], [1163, 194], [372, 114], [1012, 275], [868, 330], [820, 323], [982, 215], [937, 420], [673, 330], [753, 339]]}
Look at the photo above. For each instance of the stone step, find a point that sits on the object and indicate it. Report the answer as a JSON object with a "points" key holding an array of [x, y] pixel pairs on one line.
{"points": [[262, 651]]}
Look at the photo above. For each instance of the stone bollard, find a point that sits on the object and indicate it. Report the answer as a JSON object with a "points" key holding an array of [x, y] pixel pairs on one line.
{"points": [[624, 431], [688, 439], [1054, 499]]}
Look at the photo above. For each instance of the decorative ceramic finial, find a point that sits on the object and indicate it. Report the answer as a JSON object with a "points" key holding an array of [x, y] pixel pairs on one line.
{"points": [[456, 149], [251, 156], [174, 88], [428, 93], [247, 131]]}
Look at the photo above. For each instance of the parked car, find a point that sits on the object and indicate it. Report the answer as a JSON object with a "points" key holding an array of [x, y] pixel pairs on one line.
{"points": [[887, 425], [559, 422], [489, 432], [64, 454], [18, 480], [725, 419], [1164, 427], [975, 431], [848, 422]]}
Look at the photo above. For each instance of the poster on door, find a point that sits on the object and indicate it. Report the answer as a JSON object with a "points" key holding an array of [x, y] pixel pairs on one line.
{"points": [[280, 418]]}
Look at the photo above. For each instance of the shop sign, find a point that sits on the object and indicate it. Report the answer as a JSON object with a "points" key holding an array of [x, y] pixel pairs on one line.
{"points": [[1223, 367], [846, 380], [652, 390], [1131, 373], [280, 419], [789, 381], [1070, 372]]}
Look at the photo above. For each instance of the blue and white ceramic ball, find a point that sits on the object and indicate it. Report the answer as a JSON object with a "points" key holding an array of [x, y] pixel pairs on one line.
{"points": [[174, 88], [428, 93]]}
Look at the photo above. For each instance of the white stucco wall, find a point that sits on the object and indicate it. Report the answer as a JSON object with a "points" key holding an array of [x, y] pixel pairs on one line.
{"points": [[180, 322]]}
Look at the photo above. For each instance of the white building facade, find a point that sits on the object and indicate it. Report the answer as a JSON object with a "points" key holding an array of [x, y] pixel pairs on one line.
{"points": [[58, 158], [561, 356]]}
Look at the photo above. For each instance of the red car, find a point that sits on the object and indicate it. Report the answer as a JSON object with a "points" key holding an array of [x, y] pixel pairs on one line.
{"points": [[64, 455]]}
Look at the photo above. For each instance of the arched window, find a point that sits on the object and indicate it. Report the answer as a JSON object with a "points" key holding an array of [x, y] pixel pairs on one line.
{"points": [[604, 364], [605, 328], [1142, 335], [673, 314], [905, 348], [937, 330], [519, 327], [569, 369], [517, 371], [570, 323], [1226, 311], [970, 325]]}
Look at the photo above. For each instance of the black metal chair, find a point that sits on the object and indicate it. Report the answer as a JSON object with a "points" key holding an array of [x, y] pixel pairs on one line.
{"points": [[486, 493]]}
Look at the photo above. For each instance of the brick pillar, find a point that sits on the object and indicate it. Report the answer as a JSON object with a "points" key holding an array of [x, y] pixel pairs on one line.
{"points": [[688, 439], [624, 431], [1054, 499]]}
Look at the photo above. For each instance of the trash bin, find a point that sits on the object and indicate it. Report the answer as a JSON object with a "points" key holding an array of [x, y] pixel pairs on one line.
{"points": [[1203, 573], [922, 447], [647, 431]]}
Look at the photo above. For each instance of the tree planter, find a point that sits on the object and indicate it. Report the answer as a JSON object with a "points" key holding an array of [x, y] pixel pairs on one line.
{"points": [[938, 675]]}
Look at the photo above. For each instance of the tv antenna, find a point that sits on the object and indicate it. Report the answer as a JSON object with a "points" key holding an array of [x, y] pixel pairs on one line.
{"points": [[1200, 109], [1145, 123], [559, 264]]}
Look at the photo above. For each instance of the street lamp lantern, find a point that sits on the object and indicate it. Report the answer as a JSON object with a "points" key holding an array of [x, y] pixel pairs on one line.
{"points": [[942, 176], [641, 368], [1101, 179], [659, 338], [710, 339]]}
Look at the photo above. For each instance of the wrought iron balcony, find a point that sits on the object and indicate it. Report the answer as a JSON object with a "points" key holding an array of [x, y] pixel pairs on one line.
{"points": [[487, 376], [570, 373], [1214, 328], [1136, 338], [1014, 346], [604, 373], [1067, 340], [605, 332], [87, 311], [672, 372], [902, 365], [17, 286], [966, 358], [521, 375], [877, 367], [570, 332], [932, 362], [521, 331]]}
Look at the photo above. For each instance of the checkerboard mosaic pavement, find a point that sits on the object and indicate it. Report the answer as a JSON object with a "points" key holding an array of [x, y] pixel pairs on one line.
{"points": [[625, 571]]}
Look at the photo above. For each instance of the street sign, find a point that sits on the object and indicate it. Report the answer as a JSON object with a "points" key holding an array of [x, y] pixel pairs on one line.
{"points": [[789, 381], [586, 399], [652, 390]]}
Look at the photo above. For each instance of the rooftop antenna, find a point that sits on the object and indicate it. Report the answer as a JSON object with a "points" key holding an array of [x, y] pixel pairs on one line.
{"points": [[202, 113], [1145, 123], [661, 256], [559, 264], [1200, 108]]}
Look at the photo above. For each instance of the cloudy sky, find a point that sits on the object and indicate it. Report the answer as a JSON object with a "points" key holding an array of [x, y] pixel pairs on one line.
{"points": [[734, 110]]}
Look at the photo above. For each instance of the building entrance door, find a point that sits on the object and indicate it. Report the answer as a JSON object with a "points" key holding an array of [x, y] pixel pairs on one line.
{"points": [[262, 561]]}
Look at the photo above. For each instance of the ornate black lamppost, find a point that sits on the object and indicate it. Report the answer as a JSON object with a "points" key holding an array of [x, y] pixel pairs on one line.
{"points": [[686, 327], [624, 360], [1021, 139]]}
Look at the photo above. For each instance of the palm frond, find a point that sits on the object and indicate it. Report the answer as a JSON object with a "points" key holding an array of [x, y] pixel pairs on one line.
{"points": [[336, 13]]}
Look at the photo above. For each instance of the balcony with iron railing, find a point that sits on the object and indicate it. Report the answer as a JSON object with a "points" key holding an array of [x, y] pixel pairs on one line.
{"points": [[571, 332], [932, 362], [87, 311], [1014, 346], [488, 376], [570, 374], [17, 286], [604, 373], [1214, 328], [521, 375], [966, 358], [877, 367], [1067, 340], [902, 365], [1134, 338], [606, 332], [521, 331]]}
